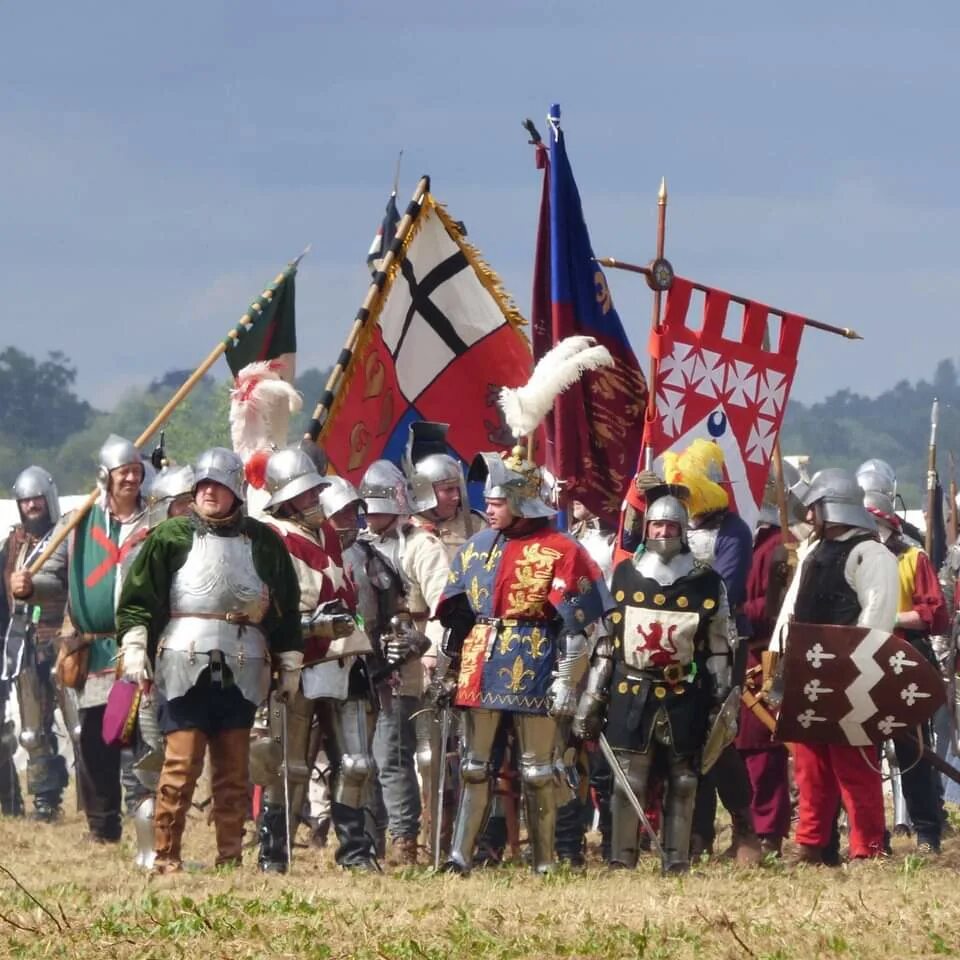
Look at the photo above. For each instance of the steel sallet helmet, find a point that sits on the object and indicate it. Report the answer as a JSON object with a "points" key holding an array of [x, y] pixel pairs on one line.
{"points": [[877, 476], [794, 487], [514, 479], [221, 466], [116, 452], [667, 502], [36, 482], [338, 494], [289, 473], [426, 463], [384, 488], [168, 485], [840, 498]]}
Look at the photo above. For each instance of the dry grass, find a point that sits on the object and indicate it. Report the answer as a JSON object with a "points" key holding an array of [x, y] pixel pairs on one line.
{"points": [[82, 901]]}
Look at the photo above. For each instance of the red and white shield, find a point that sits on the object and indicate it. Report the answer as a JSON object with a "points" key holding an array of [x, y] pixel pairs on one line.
{"points": [[853, 685]]}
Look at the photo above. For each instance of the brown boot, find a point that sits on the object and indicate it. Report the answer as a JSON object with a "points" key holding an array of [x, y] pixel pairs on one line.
{"points": [[404, 851], [771, 844], [229, 764], [182, 763], [744, 844], [803, 853]]}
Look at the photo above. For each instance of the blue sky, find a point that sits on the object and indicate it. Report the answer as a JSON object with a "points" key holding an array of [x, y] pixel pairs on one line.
{"points": [[161, 162]]}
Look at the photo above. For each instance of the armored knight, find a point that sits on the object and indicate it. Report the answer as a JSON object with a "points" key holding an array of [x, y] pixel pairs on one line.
{"points": [[661, 674], [416, 563], [922, 613], [210, 603], [519, 598], [847, 577], [95, 560], [30, 627], [335, 687]]}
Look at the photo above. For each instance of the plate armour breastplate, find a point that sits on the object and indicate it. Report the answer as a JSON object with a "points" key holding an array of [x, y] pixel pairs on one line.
{"points": [[217, 601]]}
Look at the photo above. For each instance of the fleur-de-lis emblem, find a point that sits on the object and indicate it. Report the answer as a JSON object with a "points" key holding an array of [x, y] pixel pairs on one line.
{"points": [[887, 725], [816, 655], [912, 694], [808, 718], [898, 661], [517, 675], [813, 690]]}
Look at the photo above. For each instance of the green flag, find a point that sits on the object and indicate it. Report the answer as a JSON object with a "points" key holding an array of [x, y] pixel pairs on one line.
{"points": [[272, 336]]}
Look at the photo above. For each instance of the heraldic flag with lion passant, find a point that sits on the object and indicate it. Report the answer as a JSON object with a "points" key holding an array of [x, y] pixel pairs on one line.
{"points": [[440, 342], [730, 389]]}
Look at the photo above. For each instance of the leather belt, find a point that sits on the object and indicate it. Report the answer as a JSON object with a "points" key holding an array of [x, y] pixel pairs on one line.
{"points": [[672, 673], [510, 622], [91, 637]]}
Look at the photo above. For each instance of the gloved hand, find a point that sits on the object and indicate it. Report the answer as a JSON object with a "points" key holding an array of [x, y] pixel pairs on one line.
{"points": [[589, 720], [441, 690], [290, 662], [135, 666], [561, 700], [646, 479]]}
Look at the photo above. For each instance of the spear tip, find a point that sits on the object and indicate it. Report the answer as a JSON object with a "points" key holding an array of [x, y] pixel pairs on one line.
{"points": [[662, 195], [851, 334]]}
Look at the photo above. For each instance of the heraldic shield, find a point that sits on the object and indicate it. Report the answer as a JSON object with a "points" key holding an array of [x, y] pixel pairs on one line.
{"points": [[853, 686]]}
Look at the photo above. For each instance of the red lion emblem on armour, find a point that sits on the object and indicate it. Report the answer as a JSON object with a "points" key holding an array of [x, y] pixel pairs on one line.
{"points": [[660, 649]]}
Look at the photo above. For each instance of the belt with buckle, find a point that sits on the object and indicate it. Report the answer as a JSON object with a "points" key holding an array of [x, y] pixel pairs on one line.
{"points": [[672, 673], [509, 622]]}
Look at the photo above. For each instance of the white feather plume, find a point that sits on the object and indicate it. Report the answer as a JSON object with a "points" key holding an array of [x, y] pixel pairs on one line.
{"points": [[260, 406], [525, 407]]}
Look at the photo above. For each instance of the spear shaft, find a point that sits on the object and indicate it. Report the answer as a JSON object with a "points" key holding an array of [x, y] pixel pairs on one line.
{"points": [[651, 414]]}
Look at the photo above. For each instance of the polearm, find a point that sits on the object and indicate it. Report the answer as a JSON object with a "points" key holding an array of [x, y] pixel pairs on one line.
{"points": [[651, 413], [649, 273], [231, 340], [952, 515], [374, 293], [932, 477]]}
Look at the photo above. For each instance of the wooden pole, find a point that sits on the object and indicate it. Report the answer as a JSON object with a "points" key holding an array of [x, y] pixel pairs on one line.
{"points": [[233, 335], [374, 292], [932, 476], [655, 318]]}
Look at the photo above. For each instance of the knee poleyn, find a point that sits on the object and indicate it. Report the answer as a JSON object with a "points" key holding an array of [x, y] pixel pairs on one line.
{"points": [[537, 774], [474, 771], [355, 768]]}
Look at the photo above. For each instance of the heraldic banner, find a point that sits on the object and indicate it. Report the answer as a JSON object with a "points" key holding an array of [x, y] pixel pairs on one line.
{"points": [[853, 686], [717, 387], [594, 433], [439, 344]]}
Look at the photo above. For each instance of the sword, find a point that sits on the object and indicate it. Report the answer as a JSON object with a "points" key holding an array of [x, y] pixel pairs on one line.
{"points": [[624, 784], [285, 772], [441, 780]]}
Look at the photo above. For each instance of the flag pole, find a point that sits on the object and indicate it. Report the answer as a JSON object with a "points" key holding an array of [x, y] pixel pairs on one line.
{"points": [[374, 292], [655, 320], [847, 332], [229, 341]]}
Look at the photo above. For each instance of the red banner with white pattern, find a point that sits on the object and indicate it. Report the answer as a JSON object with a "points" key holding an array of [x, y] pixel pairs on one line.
{"points": [[712, 386]]}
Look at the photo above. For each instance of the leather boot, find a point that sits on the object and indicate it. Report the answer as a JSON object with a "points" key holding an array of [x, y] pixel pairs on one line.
{"points": [[182, 763], [569, 834], [404, 852], [273, 839], [744, 844], [805, 853], [229, 762], [770, 843], [355, 848]]}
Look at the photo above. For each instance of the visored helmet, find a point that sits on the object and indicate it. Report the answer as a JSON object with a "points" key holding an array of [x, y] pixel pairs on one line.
{"points": [[840, 498], [37, 482], [877, 476], [384, 488], [290, 473], [795, 487], [221, 466], [513, 479]]}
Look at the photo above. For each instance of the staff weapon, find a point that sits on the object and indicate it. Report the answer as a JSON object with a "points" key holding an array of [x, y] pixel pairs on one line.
{"points": [[285, 771], [440, 782], [624, 784], [658, 264], [932, 477], [374, 294], [952, 516], [232, 338], [653, 278]]}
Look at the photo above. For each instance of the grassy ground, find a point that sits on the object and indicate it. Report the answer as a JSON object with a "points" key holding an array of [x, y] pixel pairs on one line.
{"points": [[62, 897]]}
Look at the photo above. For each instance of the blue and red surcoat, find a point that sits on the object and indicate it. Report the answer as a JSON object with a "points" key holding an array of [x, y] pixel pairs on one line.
{"points": [[523, 592]]}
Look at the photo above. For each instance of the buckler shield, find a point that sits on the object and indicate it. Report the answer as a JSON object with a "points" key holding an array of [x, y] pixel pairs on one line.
{"points": [[853, 686]]}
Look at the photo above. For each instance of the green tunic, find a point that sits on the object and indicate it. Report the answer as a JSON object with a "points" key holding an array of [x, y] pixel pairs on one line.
{"points": [[145, 598]]}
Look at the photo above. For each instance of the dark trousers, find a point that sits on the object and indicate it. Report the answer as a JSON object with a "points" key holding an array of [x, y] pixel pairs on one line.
{"points": [[921, 790], [727, 778], [98, 777]]}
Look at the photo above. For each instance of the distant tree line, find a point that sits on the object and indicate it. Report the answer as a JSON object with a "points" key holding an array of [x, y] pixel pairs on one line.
{"points": [[43, 421]]}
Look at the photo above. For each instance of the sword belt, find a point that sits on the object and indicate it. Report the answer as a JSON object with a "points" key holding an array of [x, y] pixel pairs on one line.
{"points": [[673, 674], [240, 619], [499, 622], [91, 637]]}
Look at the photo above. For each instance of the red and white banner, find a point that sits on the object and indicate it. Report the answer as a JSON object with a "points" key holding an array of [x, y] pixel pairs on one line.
{"points": [[732, 391]]}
